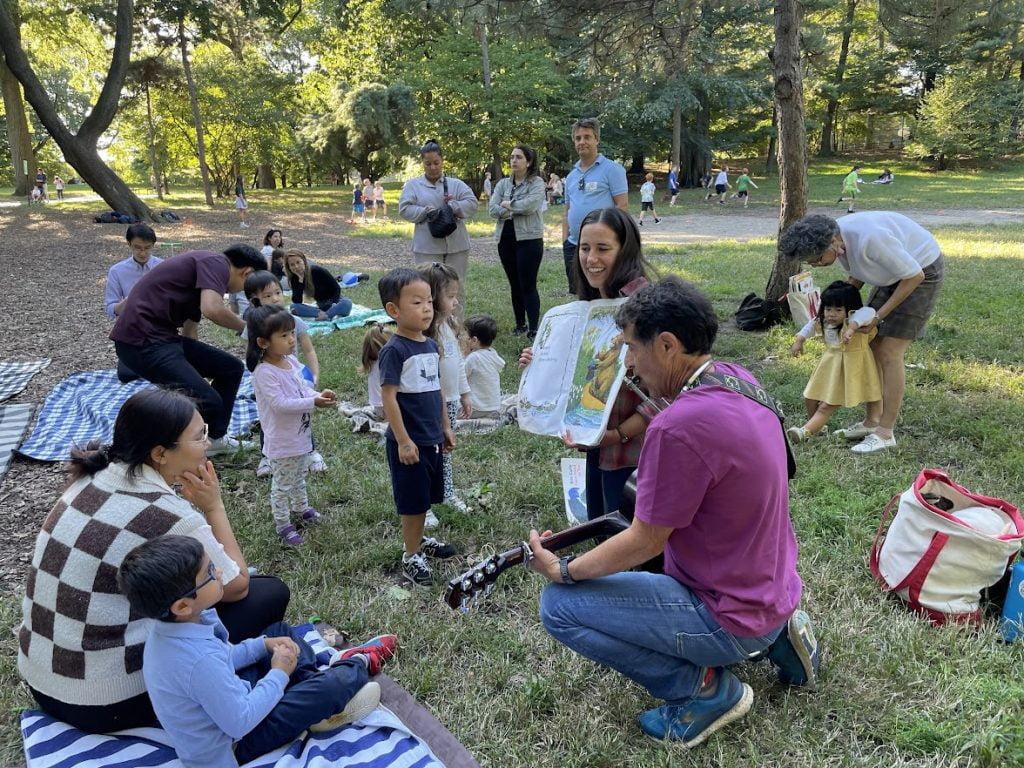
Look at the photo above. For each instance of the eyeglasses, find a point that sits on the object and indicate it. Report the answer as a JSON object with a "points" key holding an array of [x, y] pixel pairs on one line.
{"points": [[211, 575], [205, 436]]}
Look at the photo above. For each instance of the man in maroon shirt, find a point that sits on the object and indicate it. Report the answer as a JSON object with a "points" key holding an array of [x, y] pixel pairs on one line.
{"points": [[175, 295]]}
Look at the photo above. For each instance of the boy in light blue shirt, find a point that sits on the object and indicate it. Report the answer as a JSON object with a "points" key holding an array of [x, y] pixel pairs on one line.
{"points": [[223, 704]]}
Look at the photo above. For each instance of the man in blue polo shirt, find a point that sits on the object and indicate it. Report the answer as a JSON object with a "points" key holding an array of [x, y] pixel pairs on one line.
{"points": [[594, 182]]}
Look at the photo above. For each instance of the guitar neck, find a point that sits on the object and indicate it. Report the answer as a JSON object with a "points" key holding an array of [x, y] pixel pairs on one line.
{"points": [[606, 525]]}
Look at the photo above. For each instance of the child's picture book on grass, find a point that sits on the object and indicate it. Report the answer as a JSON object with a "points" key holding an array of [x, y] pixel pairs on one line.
{"points": [[577, 369]]}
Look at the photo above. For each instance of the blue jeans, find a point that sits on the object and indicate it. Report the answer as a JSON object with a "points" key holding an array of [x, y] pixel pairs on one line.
{"points": [[648, 627], [311, 696], [341, 308]]}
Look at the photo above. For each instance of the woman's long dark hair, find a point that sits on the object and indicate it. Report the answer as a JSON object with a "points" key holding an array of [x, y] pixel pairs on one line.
{"points": [[151, 418], [531, 159], [263, 322], [630, 262], [270, 233]]}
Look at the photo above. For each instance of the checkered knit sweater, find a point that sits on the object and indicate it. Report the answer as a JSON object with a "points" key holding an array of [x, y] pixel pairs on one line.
{"points": [[80, 642]]}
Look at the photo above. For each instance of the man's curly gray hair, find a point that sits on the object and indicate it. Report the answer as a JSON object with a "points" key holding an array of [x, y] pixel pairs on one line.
{"points": [[808, 238]]}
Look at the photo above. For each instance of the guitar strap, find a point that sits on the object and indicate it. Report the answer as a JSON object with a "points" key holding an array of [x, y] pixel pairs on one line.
{"points": [[758, 395]]}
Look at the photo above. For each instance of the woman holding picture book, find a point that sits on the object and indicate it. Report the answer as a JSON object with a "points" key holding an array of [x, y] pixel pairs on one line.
{"points": [[609, 265]]}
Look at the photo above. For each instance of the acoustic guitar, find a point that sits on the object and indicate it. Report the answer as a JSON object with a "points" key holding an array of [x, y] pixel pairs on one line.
{"points": [[478, 581]]}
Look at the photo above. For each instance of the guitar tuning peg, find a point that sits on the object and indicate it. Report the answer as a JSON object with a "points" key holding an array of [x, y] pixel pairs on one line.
{"points": [[478, 577], [489, 568]]}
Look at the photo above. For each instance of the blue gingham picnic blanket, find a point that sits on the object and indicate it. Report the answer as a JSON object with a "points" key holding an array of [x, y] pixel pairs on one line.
{"points": [[83, 407], [14, 421], [357, 318], [15, 376], [379, 740]]}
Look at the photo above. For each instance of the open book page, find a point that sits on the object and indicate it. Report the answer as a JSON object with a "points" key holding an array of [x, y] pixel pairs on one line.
{"points": [[578, 366]]}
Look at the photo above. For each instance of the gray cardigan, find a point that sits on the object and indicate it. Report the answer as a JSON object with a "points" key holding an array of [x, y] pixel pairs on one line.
{"points": [[526, 216], [420, 197]]}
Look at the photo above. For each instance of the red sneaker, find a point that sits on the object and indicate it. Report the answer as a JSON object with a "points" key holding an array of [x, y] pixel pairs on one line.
{"points": [[377, 651]]}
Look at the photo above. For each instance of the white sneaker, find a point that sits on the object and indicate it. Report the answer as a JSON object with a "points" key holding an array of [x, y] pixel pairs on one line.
{"points": [[430, 521], [317, 463], [227, 445], [854, 432], [359, 706], [456, 503], [873, 443], [264, 470], [801, 435]]}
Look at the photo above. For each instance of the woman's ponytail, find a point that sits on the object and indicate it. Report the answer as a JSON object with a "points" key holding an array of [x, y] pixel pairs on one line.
{"points": [[89, 460]]}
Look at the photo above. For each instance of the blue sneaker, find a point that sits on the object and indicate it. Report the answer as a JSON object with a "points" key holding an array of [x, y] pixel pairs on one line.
{"points": [[795, 652], [693, 722]]}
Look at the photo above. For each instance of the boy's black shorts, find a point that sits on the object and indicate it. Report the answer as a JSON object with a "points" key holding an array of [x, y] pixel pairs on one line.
{"points": [[416, 486], [646, 206]]}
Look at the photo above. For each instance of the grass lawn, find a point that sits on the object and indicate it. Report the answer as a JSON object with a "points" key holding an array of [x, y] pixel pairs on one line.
{"points": [[894, 691], [1001, 186]]}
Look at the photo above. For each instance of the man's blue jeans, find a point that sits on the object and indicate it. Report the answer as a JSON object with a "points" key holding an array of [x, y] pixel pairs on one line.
{"points": [[648, 627], [311, 696], [340, 309]]}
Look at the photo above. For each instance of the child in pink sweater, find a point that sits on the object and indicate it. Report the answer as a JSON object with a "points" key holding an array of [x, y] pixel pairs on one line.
{"points": [[285, 402]]}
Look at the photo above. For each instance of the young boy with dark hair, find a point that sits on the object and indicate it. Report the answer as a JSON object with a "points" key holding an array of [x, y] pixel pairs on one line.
{"points": [[418, 426], [221, 704], [483, 367]]}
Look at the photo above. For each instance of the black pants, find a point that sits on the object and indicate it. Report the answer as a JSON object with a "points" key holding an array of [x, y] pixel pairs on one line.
{"points": [[264, 605], [569, 256], [186, 365], [521, 261]]}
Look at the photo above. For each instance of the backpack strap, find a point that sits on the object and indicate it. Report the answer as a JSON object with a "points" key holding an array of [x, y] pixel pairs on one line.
{"points": [[758, 395]]}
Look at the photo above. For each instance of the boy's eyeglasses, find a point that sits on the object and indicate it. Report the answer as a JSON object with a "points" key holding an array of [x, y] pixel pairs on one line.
{"points": [[211, 575]]}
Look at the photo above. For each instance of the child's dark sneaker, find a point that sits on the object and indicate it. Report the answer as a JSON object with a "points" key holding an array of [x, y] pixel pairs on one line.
{"points": [[359, 706], [795, 652], [693, 722], [290, 536], [377, 651], [416, 570], [311, 517], [431, 547]]}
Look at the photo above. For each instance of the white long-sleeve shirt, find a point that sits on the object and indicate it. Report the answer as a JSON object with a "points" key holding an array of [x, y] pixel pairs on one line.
{"points": [[861, 317], [483, 371], [453, 365], [883, 247]]}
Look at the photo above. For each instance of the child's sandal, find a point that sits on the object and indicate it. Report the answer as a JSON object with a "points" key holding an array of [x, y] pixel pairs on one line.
{"points": [[290, 536]]}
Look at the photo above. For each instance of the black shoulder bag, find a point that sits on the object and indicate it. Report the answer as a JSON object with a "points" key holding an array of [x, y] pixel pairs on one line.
{"points": [[442, 222]]}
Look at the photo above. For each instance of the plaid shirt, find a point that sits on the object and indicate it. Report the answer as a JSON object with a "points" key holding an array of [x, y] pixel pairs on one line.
{"points": [[627, 454]]}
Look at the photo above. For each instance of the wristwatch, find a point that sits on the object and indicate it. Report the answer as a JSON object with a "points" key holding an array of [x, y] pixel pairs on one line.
{"points": [[563, 567], [622, 436]]}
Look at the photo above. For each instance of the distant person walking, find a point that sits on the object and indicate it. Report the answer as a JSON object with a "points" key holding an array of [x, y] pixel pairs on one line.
{"points": [[420, 201], [488, 187], [851, 186], [58, 184], [241, 204], [647, 190], [673, 184], [721, 187], [595, 182], [516, 205], [41, 184], [378, 198], [368, 199]]}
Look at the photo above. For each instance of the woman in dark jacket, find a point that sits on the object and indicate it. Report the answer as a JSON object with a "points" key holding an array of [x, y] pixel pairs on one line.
{"points": [[311, 281]]}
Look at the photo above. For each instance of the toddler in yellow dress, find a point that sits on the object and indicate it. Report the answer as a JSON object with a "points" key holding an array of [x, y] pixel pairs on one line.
{"points": [[847, 374]]}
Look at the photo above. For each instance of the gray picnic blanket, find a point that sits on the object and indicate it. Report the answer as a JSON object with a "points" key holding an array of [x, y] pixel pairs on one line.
{"points": [[15, 376]]}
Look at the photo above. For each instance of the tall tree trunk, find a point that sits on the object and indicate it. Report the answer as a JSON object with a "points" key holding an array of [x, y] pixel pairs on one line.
{"points": [[152, 146], [771, 165], [677, 133], [79, 149], [828, 131], [265, 176], [309, 174], [19, 136], [637, 166], [485, 56], [696, 158], [789, 99], [197, 120]]}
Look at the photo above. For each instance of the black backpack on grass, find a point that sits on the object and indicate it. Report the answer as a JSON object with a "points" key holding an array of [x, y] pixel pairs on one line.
{"points": [[757, 314]]}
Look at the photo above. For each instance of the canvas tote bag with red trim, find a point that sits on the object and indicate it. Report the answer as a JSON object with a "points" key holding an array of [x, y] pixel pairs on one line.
{"points": [[944, 545]]}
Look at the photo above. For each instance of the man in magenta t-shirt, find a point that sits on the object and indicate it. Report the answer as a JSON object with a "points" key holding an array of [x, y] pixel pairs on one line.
{"points": [[713, 497], [156, 334]]}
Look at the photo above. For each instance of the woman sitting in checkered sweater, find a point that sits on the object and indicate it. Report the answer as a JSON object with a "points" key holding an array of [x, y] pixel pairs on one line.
{"points": [[80, 645]]}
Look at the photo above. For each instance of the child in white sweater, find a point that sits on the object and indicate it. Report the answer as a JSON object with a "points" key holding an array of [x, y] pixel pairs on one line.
{"points": [[483, 367]]}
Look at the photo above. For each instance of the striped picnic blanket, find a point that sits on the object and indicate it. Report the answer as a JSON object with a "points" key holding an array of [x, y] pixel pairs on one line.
{"points": [[379, 740], [15, 376], [83, 407], [14, 420]]}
